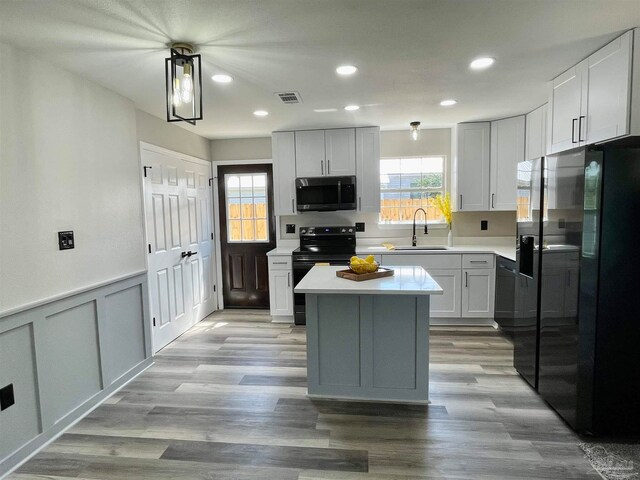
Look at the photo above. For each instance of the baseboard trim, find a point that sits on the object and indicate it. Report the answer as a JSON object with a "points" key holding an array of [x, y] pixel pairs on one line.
{"points": [[462, 322], [30, 449]]}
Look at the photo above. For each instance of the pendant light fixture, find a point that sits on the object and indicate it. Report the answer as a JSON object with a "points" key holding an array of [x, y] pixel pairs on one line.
{"points": [[415, 130], [183, 80]]}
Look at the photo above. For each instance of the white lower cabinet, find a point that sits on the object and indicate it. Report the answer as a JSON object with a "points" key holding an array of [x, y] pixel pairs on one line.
{"points": [[478, 292], [280, 286], [467, 281], [447, 305]]}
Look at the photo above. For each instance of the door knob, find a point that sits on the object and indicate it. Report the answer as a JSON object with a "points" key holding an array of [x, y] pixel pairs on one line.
{"points": [[184, 254], [189, 253]]}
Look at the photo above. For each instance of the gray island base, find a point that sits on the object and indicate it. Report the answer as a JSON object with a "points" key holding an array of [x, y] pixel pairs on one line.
{"points": [[368, 340]]}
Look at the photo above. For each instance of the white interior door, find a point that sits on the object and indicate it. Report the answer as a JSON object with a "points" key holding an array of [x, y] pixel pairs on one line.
{"points": [[179, 229]]}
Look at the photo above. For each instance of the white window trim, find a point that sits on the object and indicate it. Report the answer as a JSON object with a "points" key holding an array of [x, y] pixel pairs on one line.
{"points": [[408, 225]]}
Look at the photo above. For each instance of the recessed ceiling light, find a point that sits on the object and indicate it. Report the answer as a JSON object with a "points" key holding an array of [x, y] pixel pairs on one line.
{"points": [[448, 103], [261, 113], [222, 78], [482, 63], [325, 110], [346, 70], [351, 108]]}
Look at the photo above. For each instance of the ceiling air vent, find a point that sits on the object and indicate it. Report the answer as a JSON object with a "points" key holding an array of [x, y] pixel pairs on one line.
{"points": [[289, 97]]}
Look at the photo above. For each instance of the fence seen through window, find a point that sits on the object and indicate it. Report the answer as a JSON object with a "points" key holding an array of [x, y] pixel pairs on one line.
{"points": [[408, 183], [246, 201]]}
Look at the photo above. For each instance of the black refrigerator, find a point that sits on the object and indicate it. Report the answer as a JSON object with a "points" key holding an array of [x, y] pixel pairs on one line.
{"points": [[577, 326]]}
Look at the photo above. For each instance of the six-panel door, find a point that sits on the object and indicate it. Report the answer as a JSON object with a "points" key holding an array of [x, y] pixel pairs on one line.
{"points": [[179, 222]]}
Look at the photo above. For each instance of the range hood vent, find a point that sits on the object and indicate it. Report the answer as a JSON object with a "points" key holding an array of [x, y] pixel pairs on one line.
{"points": [[289, 97]]}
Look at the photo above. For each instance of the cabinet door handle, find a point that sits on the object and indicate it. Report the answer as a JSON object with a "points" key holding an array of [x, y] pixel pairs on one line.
{"points": [[322, 167], [573, 130], [359, 203], [466, 279], [460, 201], [293, 205], [288, 279], [580, 128], [492, 197], [328, 167]]}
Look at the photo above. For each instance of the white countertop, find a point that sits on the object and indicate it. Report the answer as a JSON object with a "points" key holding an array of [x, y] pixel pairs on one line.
{"points": [[281, 251], [507, 252], [504, 251], [405, 281]]}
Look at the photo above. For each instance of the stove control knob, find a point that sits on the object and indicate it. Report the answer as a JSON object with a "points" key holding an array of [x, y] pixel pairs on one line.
{"points": [[303, 231], [351, 230], [344, 230]]}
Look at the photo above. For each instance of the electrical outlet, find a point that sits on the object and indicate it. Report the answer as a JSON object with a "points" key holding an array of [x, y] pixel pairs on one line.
{"points": [[484, 224], [6, 397], [65, 240], [291, 228], [359, 226]]}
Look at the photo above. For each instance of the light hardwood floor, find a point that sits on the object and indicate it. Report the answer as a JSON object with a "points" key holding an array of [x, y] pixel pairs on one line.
{"points": [[227, 401]]}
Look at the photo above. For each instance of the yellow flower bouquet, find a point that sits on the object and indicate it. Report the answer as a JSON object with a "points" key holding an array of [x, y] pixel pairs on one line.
{"points": [[443, 203]]}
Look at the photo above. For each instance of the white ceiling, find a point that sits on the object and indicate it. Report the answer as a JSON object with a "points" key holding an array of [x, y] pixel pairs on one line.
{"points": [[411, 54]]}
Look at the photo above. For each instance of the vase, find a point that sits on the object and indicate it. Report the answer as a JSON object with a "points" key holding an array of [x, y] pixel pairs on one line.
{"points": [[450, 238]]}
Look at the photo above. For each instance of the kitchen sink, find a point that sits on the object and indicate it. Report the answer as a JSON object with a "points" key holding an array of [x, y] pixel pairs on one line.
{"points": [[422, 247]]}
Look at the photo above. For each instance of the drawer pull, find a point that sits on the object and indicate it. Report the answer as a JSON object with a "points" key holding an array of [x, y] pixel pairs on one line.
{"points": [[478, 261], [280, 263]]}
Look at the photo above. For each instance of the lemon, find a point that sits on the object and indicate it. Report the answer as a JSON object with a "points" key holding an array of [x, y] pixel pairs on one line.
{"points": [[370, 259]]}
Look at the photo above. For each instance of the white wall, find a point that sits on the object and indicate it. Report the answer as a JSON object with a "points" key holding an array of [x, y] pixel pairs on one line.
{"points": [[241, 149], [68, 161], [158, 131]]}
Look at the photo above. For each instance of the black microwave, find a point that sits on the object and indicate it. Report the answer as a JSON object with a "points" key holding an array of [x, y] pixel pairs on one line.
{"points": [[319, 194]]}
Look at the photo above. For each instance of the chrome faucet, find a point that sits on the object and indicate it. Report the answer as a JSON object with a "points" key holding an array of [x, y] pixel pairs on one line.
{"points": [[414, 240]]}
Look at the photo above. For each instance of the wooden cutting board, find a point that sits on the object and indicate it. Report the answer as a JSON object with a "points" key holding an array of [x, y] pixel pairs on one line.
{"points": [[359, 277]]}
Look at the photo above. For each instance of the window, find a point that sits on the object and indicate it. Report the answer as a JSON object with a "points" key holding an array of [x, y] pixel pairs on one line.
{"points": [[407, 184], [246, 199]]}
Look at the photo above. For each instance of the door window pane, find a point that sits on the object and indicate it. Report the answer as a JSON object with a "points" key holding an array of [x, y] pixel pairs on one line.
{"points": [[246, 201]]}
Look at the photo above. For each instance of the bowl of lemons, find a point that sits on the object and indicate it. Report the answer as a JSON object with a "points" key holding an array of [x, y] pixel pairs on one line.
{"points": [[363, 265]]}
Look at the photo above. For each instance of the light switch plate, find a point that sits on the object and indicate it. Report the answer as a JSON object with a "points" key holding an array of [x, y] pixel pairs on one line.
{"points": [[66, 240], [7, 397]]}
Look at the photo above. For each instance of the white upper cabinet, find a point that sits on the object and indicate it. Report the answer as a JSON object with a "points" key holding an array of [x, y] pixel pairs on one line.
{"points": [[593, 102], [472, 166], [535, 136], [565, 102], [507, 150], [326, 153], [368, 169], [340, 152], [283, 155], [608, 98], [310, 153]]}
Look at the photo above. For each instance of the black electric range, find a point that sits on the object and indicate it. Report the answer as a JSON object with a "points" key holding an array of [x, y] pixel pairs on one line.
{"points": [[332, 245]]}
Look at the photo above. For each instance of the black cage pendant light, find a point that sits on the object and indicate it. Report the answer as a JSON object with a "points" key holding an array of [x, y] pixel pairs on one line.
{"points": [[183, 75]]}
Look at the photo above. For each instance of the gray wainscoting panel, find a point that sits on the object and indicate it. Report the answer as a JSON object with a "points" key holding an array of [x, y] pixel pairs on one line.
{"points": [[394, 342], [71, 375], [20, 422], [67, 356], [339, 340], [122, 332]]}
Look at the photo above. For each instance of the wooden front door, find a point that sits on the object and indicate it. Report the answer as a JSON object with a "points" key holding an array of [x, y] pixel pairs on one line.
{"points": [[247, 233]]}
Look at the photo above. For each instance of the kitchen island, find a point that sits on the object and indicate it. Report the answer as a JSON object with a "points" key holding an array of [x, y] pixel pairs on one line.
{"points": [[368, 340]]}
